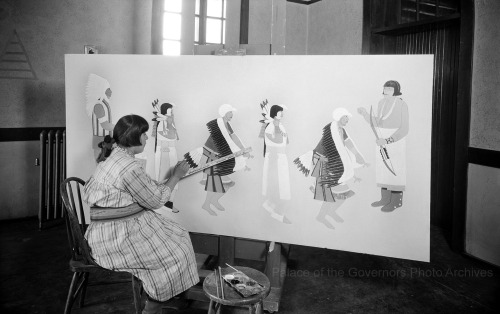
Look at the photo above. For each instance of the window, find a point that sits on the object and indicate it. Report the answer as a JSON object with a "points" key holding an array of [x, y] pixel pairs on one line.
{"points": [[172, 27], [210, 22], [418, 10]]}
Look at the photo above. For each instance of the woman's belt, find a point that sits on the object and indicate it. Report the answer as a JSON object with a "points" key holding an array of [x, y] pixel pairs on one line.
{"points": [[109, 213]]}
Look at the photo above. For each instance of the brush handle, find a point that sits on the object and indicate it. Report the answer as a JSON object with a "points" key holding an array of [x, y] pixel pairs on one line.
{"points": [[221, 283]]}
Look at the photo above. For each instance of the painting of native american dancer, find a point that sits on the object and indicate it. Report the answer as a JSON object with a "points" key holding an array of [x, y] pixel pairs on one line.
{"points": [[312, 122], [225, 151], [332, 164], [390, 124], [166, 136], [275, 174], [98, 96]]}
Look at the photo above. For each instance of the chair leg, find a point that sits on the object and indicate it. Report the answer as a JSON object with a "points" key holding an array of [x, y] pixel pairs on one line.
{"points": [[71, 293], [212, 307], [137, 289], [84, 289], [257, 308]]}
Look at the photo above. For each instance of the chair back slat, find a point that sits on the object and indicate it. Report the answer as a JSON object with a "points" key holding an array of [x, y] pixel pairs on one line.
{"points": [[75, 227], [69, 189], [82, 214]]}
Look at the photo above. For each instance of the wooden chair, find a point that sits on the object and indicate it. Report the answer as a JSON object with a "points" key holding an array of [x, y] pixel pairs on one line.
{"points": [[82, 263]]}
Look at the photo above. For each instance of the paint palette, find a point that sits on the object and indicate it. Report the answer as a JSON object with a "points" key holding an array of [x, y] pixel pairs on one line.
{"points": [[243, 284]]}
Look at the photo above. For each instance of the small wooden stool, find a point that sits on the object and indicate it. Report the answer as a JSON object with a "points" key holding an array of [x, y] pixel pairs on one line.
{"points": [[231, 297]]}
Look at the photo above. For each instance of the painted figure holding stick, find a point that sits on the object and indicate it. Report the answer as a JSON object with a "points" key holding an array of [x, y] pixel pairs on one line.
{"points": [[165, 133], [390, 124]]}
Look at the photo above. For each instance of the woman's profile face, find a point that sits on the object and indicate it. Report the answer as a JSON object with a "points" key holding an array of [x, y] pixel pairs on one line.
{"points": [[143, 139], [279, 115]]}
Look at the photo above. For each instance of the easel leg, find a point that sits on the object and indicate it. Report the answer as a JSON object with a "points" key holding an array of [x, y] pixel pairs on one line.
{"points": [[273, 266], [226, 251]]}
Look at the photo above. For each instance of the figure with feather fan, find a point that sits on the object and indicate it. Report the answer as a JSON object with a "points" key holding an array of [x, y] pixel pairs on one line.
{"points": [[221, 143], [275, 175], [332, 164], [166, 137]]}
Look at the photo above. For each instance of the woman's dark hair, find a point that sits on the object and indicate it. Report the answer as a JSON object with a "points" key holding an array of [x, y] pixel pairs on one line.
{"points": [[126, 133], [395, 85], [128, 130], [106, 147], [164, 107], [274, 110]]}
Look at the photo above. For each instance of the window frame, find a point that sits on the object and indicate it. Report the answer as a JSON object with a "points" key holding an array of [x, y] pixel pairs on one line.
{"points": [[202, 17]]}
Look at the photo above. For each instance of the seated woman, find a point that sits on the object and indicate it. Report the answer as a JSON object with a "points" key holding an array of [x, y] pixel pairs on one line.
{"points": [[125, 234]]}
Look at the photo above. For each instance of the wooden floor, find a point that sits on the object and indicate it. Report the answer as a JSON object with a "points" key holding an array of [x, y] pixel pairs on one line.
{"points": [[35, 278]]}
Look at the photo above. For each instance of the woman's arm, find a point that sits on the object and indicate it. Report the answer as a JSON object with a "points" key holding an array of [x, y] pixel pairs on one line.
{"points": [[148, 193]]}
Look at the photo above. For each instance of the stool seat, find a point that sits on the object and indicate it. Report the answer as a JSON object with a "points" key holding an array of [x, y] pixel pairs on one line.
{"points": [[231, 296]]}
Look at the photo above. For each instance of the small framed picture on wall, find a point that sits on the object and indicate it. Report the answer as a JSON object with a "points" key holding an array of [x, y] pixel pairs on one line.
{"points": [[91, 50]]}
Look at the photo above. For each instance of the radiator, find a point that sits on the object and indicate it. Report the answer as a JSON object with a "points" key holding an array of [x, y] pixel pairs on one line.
{"points": [[52, 172]]}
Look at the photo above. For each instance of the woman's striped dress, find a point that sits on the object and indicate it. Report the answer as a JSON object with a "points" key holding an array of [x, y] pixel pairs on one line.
{"points": [[152, 247]]}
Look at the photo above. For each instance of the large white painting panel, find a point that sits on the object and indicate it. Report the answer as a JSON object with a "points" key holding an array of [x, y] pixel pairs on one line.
{"points": [[311, 87]]}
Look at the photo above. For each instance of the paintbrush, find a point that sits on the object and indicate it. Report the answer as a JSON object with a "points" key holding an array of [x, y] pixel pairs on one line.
{"points": [[216, 282], [221, 283]]}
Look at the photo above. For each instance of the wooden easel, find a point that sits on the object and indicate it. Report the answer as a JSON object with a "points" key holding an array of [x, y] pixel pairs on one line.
{"points": [[227, 249]]}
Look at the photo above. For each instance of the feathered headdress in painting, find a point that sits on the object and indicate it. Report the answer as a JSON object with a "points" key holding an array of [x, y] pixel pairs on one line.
{"points": [[266, 116], [95, 91]]}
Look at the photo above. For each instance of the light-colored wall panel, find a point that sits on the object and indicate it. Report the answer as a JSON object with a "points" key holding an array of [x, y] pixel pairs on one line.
{"points": [[483, 214], [485, 111], [296, 29], [335, 27], [260, 22]]}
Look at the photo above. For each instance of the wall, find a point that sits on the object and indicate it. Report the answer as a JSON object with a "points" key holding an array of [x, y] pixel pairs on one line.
{"points": [[296, 29], [335, 27], [49, 29], [325, 27], [485, 111], [259, 22], [483, 199]]}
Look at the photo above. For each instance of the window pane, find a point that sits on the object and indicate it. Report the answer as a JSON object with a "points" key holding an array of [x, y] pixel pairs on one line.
{"points": [[173, 6], [196, 29], [214, 31], [171, 48], [214, 8], [224, 14], [197, 9], [172, 26], [408, 11]]}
